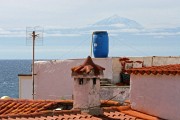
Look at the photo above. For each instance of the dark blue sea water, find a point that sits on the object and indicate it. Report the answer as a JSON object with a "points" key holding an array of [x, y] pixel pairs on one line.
{"points": [[9, 70]]}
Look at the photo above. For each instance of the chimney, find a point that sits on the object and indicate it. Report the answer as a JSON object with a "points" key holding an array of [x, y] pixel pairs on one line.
{"points": [[87, 87]]}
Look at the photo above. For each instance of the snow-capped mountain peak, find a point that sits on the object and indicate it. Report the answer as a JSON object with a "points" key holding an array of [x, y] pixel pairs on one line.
{"points": [[117, 21]]}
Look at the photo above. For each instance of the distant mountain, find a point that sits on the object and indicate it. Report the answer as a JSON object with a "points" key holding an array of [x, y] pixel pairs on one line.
{"points": [[117, 21], [114, 25]]}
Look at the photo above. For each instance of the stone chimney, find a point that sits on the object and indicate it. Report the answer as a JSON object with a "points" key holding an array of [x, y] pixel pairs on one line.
{"points": [[87, 87]]}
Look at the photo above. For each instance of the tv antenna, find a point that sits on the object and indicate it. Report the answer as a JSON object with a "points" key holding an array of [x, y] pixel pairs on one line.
{"points": [[34, 36]]}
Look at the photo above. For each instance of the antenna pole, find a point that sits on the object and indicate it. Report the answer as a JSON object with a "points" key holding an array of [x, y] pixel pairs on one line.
{"points": [[33, 36]]}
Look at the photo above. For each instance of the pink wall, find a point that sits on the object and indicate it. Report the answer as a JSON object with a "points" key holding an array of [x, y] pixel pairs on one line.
{"points": [[54, 81], [158, 95]]}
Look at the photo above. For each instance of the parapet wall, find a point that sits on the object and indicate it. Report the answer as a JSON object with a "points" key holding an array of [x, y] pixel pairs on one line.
{"points": [[117, 93], [147, 61], [53, 78]]}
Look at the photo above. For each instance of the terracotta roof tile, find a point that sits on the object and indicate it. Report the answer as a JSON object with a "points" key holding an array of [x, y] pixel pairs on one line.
{"points": [[139, 61], [106, 116], [165, 69], [139, 115], [106, 103], [44, 110], [129, 61], [87, 67], [14, 107], [124, 59]]}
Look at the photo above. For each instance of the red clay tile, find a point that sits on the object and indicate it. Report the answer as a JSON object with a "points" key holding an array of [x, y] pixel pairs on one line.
{"points": [[139, 61], [87, 67], [109, 103], [129, 61], [140, 115], [123, 59], [26, 111], [165, 69]]}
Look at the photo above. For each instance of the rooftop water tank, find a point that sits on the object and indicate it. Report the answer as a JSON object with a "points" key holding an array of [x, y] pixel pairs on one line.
{"points": [[100, 42]]}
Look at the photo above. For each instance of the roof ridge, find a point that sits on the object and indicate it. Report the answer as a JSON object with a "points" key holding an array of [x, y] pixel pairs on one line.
{"points": [[163, 69], [87, 67]]}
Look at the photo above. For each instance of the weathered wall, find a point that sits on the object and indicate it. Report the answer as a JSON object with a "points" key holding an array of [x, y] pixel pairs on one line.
{"points": [[54, 81], [117, 93], [147, 61], [165, 60], [87, 94], [116, 68], [157, 95]]}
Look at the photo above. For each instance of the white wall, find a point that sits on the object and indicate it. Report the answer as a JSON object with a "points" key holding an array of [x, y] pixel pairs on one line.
{"points": [[158, 95], [54, 81], [25, 87]]}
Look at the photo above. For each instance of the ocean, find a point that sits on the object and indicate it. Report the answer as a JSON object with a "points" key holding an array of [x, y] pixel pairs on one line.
{"points": [[9, 70]]}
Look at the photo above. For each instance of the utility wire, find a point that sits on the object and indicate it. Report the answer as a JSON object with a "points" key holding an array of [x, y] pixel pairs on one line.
{"points": [[118, 40], [75, 47]]}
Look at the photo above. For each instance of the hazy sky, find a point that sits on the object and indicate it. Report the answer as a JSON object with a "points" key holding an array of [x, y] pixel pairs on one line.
{"points": [[16, 15], [150, 13]]}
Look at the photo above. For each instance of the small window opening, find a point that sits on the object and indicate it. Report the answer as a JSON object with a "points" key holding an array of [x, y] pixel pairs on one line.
{"points": [[80, 81], [94, 81]]}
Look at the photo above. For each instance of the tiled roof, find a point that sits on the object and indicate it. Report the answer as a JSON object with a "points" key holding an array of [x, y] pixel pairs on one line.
{"points": [[13, 107], [87, 67], [23, 107], [164, 69], [44, 110], [114, 113]]}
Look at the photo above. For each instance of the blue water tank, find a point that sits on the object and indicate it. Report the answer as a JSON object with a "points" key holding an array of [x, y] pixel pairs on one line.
{"points": [[100, 42]]}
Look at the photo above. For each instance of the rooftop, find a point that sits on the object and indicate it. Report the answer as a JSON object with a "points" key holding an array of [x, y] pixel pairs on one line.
{"points": [[87, 67], [172, 69], [47, 110]]}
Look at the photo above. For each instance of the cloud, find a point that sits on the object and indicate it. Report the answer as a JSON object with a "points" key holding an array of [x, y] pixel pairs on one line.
{"points": [[160, 33], [52, 32], [73, 13], [129, 30], [88, 30], [118, 25], [12, 32], [61, 35], [4, 32]]}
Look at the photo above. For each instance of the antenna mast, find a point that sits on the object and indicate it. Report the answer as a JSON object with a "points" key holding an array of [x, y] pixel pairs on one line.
{"points": [[35, 36]]}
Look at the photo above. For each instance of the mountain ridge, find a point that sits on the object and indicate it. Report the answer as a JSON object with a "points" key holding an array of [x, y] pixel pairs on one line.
{"points": [[118, 21]]}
